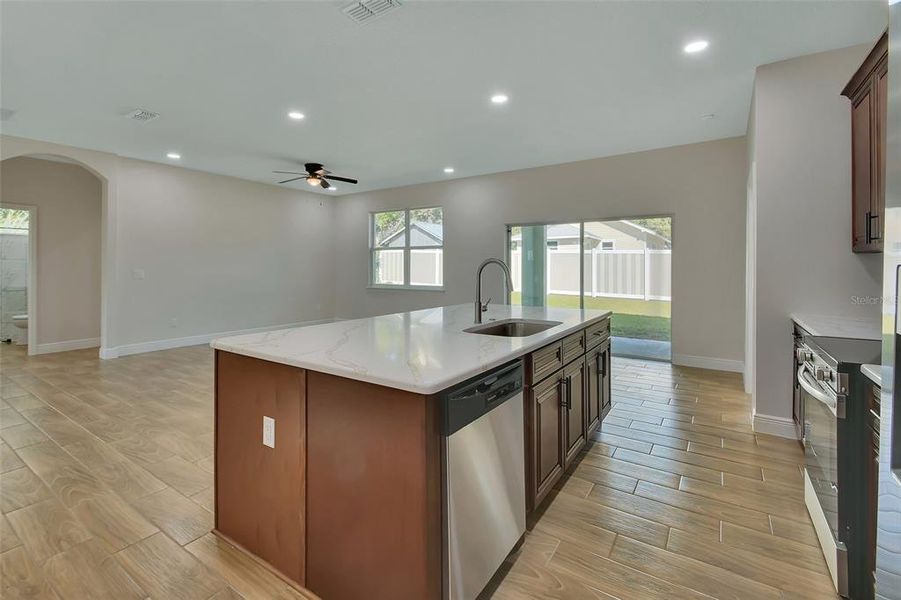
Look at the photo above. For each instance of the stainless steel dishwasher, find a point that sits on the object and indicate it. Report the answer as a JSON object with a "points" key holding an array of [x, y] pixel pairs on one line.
{"points": [[485, 489]]}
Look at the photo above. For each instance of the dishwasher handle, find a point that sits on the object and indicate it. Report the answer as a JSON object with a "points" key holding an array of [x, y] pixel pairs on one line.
{"points": [[466, 402]]}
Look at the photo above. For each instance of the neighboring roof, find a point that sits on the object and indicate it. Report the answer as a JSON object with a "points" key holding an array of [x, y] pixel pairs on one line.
{"points": [[650, 232], [421, 234], [562, 231]]}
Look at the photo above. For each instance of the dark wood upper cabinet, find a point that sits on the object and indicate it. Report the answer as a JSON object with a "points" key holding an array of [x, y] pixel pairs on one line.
{"points": [[867, 91]]}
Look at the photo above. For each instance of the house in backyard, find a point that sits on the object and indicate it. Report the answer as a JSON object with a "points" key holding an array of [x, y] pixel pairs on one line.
{"points": [[426, 255], [421, 234]]}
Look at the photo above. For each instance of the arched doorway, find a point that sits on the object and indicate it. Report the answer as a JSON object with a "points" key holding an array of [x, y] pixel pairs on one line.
{"points": [[68, 276]]}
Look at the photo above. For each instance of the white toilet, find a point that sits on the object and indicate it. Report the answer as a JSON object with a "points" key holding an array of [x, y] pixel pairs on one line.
{"points": [[20, 321]]}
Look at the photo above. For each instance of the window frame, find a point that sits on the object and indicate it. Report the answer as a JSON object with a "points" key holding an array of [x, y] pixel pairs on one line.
{"points": [[407, 250]]}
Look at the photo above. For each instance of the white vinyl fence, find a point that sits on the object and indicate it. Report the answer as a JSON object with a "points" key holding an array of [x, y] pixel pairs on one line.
{"points": [[641, 274], [426, 266]]}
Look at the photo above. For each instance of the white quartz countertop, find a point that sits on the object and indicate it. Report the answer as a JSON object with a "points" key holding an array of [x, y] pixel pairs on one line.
{"points": [[873, 373], [842, 327], [423, 351]]}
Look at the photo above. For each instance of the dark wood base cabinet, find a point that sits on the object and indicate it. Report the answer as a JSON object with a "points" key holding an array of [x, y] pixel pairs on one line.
{"points": [[566, 397], [872, 419]]}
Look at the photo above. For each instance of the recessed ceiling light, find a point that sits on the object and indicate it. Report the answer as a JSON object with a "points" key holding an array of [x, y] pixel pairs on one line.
{"points": [[296, 115], [499, 99], [174, 155], [696, 46], [448, 170]]}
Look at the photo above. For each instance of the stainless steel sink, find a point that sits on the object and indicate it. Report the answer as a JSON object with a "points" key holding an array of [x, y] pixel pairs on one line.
{"points": [[512, 327]]}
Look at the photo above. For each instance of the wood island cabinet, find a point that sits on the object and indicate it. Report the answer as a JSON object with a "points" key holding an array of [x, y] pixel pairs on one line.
{"points": [[868, 93], [566, 396], [347, 496]]}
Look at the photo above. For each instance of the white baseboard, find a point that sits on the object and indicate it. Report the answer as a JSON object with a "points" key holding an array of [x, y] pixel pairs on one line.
{"points": [[194, 340], [779, 426], [709, 362], [51, 347]]}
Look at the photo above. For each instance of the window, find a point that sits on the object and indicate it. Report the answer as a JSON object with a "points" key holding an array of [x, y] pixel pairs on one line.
{"points": [[406, 248], [608, 244]]}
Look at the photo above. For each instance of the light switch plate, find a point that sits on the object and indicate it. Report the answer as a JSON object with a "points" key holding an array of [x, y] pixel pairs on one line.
{"points": [[269, 432]]}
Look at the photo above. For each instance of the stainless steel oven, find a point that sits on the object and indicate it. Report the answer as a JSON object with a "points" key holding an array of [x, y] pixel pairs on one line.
{"points": [[822, 406], [832, 396]]}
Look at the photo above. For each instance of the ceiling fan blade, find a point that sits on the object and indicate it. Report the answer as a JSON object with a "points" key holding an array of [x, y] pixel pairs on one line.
{"points": [[293, 179], [290, 172], [344, 179], [324, 184]]}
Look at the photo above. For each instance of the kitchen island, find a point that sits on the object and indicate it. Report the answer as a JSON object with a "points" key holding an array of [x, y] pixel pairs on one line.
{"points": [[329, 438]]}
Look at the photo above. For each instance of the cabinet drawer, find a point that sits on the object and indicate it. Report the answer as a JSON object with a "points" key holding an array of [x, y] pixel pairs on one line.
{"points": [[597, 333], [545, 361], [573, 347]]}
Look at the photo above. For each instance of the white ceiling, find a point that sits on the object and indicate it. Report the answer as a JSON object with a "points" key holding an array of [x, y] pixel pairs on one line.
{"points": [[395, 101]]}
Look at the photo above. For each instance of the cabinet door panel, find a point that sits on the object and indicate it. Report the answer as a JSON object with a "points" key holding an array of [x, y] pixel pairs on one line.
{"points": [[548, 446], [592, 392], [574, 421], [877, 206], [604, 376], [861, 169]]}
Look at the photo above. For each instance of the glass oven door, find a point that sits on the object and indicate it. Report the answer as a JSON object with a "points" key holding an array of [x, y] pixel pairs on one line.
{"points": [[821, 442]]}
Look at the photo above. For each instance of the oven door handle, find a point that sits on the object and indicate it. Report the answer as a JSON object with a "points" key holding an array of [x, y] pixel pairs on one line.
{"points": [[814, 389]]}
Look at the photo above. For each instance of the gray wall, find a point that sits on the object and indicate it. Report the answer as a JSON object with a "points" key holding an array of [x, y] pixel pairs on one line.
{"points": [[701, 185], [218, 254], [804, 263]]}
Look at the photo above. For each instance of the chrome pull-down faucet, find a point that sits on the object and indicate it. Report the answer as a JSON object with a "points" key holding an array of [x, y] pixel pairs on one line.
{"points": [[508, 282]]}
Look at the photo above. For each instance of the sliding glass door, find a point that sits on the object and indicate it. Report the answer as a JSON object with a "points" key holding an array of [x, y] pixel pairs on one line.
{"points": [[622, 265]]}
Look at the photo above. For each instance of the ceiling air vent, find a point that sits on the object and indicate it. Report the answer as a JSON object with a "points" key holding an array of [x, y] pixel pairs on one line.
{"points": [[369, 10], [142, 115]]}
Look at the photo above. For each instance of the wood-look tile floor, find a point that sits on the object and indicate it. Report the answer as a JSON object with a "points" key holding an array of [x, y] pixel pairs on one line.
{"points": [[106, 491], [106, 474], [676, 498]]}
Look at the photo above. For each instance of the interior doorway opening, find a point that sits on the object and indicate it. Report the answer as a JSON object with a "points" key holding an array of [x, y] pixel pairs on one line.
{"points": [[16, 268], [64, 259], [621, 265]]}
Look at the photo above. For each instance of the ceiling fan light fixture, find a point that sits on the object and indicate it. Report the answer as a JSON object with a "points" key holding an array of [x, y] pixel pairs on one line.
{"points": [[314, 181]]}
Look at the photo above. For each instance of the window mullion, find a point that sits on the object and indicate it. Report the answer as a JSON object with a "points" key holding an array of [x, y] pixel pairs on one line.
{"points": [[407, 240]]}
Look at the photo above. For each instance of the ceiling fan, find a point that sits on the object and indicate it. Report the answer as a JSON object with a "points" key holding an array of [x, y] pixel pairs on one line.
{"points": [[316, 175]]}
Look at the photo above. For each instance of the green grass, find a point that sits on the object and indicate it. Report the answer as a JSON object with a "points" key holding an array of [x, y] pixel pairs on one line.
{"points": [[639, 319]]}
